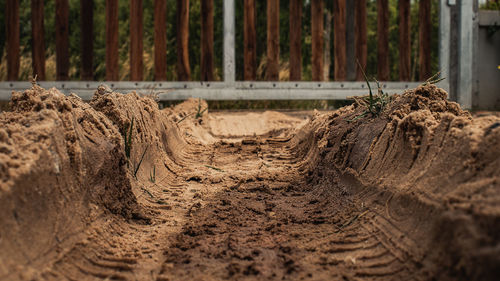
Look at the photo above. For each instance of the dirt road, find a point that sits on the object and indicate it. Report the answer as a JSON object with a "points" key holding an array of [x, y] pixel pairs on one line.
{"points": [[411, 195]]}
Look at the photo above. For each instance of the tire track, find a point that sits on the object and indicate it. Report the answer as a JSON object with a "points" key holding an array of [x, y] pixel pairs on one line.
{"points": [[263, 226]]}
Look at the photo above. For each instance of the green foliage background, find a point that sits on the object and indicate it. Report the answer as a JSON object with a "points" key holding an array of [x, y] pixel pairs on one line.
{"points": [[194, 37]]}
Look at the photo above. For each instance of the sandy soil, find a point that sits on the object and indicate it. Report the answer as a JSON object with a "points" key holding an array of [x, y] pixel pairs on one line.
{"points": [[413, 194]]}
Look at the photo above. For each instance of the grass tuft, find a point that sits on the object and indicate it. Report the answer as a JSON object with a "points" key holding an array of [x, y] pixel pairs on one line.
{"points": [[183, 118], [374, 103], [214, 168], [128, 149], [128, 140], [433, 79], [136, 167], [152, 176], [147, 191], [200, 112]]}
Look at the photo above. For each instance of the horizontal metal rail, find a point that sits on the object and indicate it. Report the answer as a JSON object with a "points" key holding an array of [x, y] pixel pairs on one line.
{"points": [[217, 90]]}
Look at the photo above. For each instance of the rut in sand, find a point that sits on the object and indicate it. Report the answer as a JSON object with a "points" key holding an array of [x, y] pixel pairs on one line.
{"points": [[410, 195]]}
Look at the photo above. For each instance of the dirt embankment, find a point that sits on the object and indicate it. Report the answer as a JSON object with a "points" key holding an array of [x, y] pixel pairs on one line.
{"points": [[61, 165], [411, 194], [425, 174]]}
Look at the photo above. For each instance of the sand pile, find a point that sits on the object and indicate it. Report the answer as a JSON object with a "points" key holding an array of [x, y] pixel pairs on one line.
{"points": [[426, 172], [61, 165], [117, 188]]}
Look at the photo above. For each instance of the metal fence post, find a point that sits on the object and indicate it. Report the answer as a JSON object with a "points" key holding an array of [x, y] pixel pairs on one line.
{"points": [[229, 38], [444, 43], [466, 53]]}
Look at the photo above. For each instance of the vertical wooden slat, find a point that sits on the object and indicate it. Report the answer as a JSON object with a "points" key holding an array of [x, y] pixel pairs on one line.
{"points": [[328, 42], [207, 40], [317, 39], [383, 40], [160, 40], [295, 40], [350, 41], [424, 39], [340, 40], [360, 33], [183, 68], [249, 41], [38, 39], [62, 39], [404, 41], [87, 38], [273, 40], [111, 40], [136, 45], [12, 30]]}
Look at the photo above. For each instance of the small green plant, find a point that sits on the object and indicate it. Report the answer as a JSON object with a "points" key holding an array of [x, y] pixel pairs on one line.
{"points": [[152, 175], [128, 148], [183, 118], [433, 79], [128, 140], [33, 80], [147, 191], [136, 167], [200, 112], [214, 168], [374, 104]]}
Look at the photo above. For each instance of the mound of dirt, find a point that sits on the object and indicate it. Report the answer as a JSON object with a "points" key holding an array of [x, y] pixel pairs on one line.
{"points": [[428, 174], [119, 189], [154, 133], [61, 164]]}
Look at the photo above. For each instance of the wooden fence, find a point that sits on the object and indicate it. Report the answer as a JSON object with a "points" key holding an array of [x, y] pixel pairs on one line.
{"points": [[207, 39], [350, 32]]}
